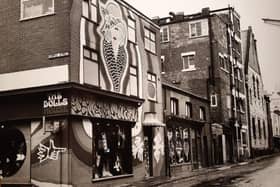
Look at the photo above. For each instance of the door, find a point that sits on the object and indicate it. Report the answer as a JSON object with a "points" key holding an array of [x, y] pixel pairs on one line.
{"points": [[148, 151]]}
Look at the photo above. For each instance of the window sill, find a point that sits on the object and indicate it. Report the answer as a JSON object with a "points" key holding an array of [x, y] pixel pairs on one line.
{"points": [[195, 37], [190, 69], [112, 178], [35, 17], [164, 42]]}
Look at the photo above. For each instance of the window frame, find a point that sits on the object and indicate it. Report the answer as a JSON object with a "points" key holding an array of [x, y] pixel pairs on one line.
{"points": [[195, 34], [162, 38], [174, 104], [162, 61], [134, 75], [148, 38], [37, 16], [211, 100], [90, 6], [191, 67], [129, 28], [152, 78], [202, 113], [92, 61], [188, 109]]}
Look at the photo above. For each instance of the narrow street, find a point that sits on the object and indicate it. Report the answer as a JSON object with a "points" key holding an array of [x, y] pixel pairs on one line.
{"points": [[262, 173]]}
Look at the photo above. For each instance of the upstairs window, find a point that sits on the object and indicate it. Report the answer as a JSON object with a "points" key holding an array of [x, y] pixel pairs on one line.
{"points": [[133, 81], [174, 110], [213, 100], [90, 10], [188, 109], [188, 61], [91, 67], [36, 8], [131, 30], [260, 129], [198, 28], [152, 86], [202, 113], [254, 128], [150, 41], [164, 34], [195, 29], [162, 60]]}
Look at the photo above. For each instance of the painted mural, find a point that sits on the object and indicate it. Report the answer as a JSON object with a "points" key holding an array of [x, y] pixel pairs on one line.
{"points": [[113, 31], [47, 151]]}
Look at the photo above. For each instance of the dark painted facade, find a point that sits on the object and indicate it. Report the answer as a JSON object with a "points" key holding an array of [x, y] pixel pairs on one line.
{"points": [[80, 91], [187, 121], [202, 53]]}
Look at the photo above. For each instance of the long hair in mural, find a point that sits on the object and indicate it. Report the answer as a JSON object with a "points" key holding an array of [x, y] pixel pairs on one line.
{"points": [[113, 31]]}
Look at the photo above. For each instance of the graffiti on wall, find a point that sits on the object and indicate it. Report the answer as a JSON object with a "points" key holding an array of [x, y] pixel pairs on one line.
{"points": [[49, 153], [113, 31], [102, 109], [158, 146]]}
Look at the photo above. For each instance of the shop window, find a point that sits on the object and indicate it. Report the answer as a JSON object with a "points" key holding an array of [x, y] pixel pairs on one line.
{"points": [[188, 61], [188, 109], [131, 30], [213, 100], [202, 113], [152, 86], [36, 8], [254, 128], [264, 130], [164, 34], [174, 108], [179, 145], [162, 60], [91, 67], [12, 151], [150, 41], [113, 155], [90, 10], [133, 82], [260, 128], [244, 138]]}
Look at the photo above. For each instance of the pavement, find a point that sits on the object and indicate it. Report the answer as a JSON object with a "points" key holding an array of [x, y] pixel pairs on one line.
{"points": [[197, 176]]}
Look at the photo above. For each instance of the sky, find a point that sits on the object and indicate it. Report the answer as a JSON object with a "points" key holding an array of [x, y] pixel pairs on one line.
{"points": [[251, 12]]}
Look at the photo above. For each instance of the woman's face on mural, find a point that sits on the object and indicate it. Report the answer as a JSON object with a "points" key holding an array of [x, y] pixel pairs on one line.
{"points": [[117, 34]]}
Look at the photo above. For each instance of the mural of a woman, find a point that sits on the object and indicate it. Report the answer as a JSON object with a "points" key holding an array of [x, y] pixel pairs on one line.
{"points": [[114, 40]]}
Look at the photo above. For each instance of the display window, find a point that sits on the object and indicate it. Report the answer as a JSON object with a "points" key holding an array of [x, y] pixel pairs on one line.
{"points": [[12, 152], [113, 154], [179, 145]]}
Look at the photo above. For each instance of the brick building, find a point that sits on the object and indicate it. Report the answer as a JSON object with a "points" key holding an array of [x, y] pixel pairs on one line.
{"points": [[74, 75], [202, 53], [275, 118], [257, 108], [187, 120]]}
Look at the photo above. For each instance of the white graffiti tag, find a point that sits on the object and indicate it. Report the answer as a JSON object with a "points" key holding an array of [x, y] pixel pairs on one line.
{"points": [[158, 147], [138, 149], [51, 152]]}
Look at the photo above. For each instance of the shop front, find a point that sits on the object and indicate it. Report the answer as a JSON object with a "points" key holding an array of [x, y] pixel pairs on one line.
{"points": [[184, 143], [67, 135]]}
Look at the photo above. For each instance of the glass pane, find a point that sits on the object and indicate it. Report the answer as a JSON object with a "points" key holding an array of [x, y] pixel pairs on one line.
{"points": [[153, 36], [93, 13], [133, 71], [93, 2], [86, 53], [131, 23], [91, 72], [198, 29], [185, 62], [112, 143], [85, 9], [147, 33], [34, 8], [94, 56], [147, 44], [131, 34], [193, 30], [153, 47], [191, 60], [133, 85]]}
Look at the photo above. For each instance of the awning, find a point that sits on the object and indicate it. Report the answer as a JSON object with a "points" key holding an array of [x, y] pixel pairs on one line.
{"points": [[151, 119]]}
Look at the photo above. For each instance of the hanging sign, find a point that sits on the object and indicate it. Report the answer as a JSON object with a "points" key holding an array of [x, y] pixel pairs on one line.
{"points": [[55, 104]]}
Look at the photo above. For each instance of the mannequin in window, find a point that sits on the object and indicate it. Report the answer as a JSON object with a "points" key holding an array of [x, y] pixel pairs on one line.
{"points": [[105, 155]]}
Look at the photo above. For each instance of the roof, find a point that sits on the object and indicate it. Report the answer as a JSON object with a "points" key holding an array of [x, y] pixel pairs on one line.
{"points": [[166, 83]]}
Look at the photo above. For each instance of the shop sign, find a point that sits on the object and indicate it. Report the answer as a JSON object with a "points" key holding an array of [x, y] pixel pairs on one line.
{"points": [[91, 107], [55, 104]]}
